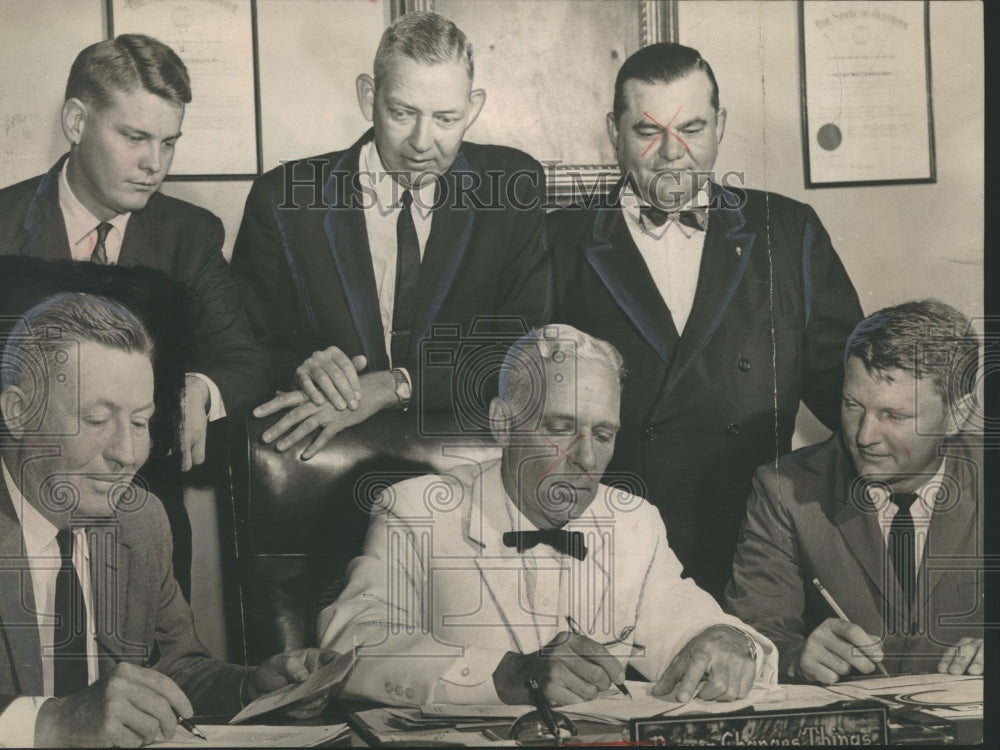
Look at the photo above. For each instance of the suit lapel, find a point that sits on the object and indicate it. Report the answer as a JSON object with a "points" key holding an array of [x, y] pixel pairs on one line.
{"points": [[447, 245], [18, 622], [724, 259], [617, 261], [139, 245], [111, 562], [348, 239], [43, 221], [955, 530]]}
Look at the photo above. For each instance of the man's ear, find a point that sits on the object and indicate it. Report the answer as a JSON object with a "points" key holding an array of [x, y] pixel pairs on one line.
{"points": [[477, 98], [365, 86], [720, 124], [612, 125], [500, 418], [74, 117], [14, 407], [962, 413]]}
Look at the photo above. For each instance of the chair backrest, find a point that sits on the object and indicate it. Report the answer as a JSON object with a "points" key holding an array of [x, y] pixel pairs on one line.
{"points": [[299, 523]]}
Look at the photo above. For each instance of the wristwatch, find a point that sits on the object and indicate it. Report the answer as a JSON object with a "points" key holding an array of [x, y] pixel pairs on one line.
{"points": [[402, 388], [750, 642]]}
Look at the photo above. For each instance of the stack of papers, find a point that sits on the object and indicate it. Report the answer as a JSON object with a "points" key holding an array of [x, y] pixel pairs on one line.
{"points": [[255, 736]]}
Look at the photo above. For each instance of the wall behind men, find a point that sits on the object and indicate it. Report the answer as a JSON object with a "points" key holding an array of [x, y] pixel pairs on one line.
{"points": [[898, 242]]}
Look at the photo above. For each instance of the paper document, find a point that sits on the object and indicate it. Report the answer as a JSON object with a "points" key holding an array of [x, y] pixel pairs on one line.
{"points": [[322, 679], [255, 736]]}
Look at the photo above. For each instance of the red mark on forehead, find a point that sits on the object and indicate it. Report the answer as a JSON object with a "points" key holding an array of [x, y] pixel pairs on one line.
{"points": [[561, 454], [672, 133]]}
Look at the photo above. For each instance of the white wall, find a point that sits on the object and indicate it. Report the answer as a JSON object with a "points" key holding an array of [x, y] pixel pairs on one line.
{"points": [[897, 242]]}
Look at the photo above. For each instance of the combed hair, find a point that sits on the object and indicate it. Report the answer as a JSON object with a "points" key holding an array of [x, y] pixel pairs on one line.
{"points": [[125, 64], [924, 338], [63, 320], [425, 37], [522, 375], [664, 62]]}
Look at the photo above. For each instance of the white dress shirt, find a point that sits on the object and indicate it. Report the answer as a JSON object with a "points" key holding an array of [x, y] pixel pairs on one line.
{"points": [[922, 510], [672, 253], [81, 229], [17, 721], [380, 221]]}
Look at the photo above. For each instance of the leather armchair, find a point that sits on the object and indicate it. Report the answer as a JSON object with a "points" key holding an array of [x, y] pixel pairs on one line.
{"points": [[299, 523]]}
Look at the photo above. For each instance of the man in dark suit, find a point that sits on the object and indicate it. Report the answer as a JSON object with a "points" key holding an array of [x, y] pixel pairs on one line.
{"points": [[887, 515], [350, 260], [729, 306], [87, 598], [122, 115]]}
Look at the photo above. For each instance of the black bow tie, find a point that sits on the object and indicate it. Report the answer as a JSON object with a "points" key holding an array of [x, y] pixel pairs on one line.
{"points": [[567, 542], [694, 218]]}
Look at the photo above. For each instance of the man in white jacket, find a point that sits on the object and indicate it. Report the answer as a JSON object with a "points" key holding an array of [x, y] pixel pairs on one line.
{"points": [[474, 581]]}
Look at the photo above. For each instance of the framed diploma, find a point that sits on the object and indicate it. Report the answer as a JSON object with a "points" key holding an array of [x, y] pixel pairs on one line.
{"points": [[866, 93], [216, 39]]}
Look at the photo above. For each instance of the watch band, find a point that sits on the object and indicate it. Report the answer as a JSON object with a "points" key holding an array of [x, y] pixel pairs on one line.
{"points": [[751, 644], [401, 387]]}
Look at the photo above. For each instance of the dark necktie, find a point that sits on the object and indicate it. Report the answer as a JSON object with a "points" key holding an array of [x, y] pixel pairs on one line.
{"points": [[69, 637], [100, 254], [568, 542], [695, 218], [902, 544], [407, 276]]}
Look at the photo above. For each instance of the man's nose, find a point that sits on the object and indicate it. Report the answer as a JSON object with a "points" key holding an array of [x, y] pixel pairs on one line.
{"points": [[672, 146], [120, 450], [151, 160], [582, 452], [422, 135], [869, 431]]}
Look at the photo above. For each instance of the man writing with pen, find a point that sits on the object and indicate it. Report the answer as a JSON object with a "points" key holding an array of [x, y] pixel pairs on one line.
{"points": [[865, 552], [474, 582], [97, 644]]}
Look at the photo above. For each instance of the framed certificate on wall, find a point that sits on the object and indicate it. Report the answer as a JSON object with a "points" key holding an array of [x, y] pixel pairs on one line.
{"points": [[866, 93], [217, 40]]}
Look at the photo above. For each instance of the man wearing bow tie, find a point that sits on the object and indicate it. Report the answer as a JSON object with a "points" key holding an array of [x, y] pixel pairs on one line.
{"points": [[729, 306], [888, 514], [474, 581]]}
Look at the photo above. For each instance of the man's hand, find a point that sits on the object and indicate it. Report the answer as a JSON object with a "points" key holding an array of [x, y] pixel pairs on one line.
{"points": [[194, 428], [128, 707], [714, 666], [836, 646], [378, 392], [331, 376], [288, 668], [965, 657], [570, 669]]}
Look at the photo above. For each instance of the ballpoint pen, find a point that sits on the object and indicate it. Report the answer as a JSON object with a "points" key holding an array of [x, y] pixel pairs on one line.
{"points": [[186, 723], [840, 613], [543, 706], [575, 629]]}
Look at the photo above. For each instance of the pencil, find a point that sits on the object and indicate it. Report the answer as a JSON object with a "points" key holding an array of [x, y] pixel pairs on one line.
{"points": [[186, 723], [840, 613], [576, 631]]}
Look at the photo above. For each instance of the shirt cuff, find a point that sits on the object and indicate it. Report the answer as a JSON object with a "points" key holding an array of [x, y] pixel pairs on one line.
{"points": [[216, 407], [17, 721], [469, 680]]}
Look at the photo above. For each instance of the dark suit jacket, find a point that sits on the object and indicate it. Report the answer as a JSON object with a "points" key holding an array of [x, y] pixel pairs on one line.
{"points": [[179, 239], [772, 310], [139, 612], [304, 266], [808, 518]]}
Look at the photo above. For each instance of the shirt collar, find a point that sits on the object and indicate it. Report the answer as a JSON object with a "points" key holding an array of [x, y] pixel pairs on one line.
{"points": [[37, 531], [387, 191], [80, 222], [927, 496]]}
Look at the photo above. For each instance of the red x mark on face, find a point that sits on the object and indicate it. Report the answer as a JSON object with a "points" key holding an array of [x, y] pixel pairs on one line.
{"points": [[561, 454], [667, 129]]}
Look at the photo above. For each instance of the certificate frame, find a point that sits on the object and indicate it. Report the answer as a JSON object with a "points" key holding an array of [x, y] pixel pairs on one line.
{"points": [[568, 183], [861, 163], [205, 147]]}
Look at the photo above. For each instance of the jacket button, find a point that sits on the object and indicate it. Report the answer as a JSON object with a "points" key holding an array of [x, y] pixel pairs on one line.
{"points": [[743, 364], [399, 689], [409, 692], [733, 429], [466, 671], [388, 687], [651, 433]]}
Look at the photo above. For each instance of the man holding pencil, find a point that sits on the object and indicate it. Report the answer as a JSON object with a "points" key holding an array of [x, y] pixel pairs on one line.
{"points": [[865, 552], [474, 582], [97, 644]]}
